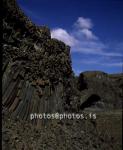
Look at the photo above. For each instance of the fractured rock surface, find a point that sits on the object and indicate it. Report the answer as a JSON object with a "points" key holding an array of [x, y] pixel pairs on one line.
{"points": [[107, 87], [36, 69]]}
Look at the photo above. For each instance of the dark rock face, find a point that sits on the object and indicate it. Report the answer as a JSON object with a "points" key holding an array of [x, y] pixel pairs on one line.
{"points": [[82, 85], [107, 87], [90, 101], [36, 69]]}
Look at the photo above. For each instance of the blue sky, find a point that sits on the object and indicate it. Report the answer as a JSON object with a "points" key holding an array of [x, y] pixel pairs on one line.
{"points": [[93, 29]]}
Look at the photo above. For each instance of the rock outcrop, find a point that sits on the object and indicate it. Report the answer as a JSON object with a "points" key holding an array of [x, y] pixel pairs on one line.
{"points": [[107, 87], [36, 69]]}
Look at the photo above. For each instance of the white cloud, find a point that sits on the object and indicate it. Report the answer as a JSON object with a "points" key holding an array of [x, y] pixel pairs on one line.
{"points": [[84, 26], [117, 64], [89, 47], [111, 54], [83, 23], [99, 61], [82, 39], [88, 34], [64, 36]]}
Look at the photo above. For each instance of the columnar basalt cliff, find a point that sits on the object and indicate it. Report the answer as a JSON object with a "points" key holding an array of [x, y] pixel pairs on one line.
{"points": [[36, 68]]}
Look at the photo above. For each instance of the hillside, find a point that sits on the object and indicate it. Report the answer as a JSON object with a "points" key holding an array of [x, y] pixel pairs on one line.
{"points": [[108, 89]]}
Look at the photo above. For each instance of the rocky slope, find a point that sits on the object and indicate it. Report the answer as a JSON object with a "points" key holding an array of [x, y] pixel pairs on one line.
{"points": [[100, 90], [37, 78], [36, 69]]}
